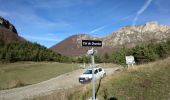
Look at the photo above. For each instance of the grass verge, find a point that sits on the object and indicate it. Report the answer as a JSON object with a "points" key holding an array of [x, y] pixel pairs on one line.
{"points": [[145, 82], [24, 73]]}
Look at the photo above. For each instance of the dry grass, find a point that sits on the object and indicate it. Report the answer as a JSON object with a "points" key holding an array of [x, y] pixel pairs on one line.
{"points": [[24, 73]]}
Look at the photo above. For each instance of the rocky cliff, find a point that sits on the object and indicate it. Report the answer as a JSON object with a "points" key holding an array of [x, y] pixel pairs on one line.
{"points": [[132, 35], [5, 23], [8, 33]]}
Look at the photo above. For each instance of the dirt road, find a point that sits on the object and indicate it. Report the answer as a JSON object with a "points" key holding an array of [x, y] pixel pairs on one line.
{"points": [[64, 81]]}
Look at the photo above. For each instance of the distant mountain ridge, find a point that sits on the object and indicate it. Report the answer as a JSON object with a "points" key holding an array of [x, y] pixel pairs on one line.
{"points": [[128, 36], [132, 35]]}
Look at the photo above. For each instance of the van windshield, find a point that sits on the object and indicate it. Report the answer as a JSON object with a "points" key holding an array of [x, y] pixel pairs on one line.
{"points": [[88, 72]]}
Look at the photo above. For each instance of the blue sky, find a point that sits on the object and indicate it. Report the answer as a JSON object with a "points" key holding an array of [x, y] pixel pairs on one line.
{"points": [[48, 22]]}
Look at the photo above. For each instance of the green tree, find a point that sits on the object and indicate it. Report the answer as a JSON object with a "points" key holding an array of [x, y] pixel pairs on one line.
{"points": [[98, 59], [119, 56]]}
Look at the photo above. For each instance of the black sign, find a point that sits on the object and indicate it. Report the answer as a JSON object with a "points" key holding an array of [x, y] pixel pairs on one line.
{"points": [[92, 43]]}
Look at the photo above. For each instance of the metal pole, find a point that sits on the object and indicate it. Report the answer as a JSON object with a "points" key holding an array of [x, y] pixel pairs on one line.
{"points": [[93, 78]]}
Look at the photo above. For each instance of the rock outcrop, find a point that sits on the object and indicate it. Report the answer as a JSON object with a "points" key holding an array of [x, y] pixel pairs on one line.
{"points": [[132, 35], [5, 23], [8, 33]]}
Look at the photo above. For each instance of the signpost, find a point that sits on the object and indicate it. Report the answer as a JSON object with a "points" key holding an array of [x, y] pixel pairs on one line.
{"points": [[91, 52], [130, 60], [91, 43]]}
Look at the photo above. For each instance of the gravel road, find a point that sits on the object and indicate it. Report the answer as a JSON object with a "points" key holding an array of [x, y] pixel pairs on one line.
{"points": [[64, 81]]}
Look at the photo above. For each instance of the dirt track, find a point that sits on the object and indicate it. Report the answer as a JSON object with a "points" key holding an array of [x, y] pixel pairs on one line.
{"points": [[67, 80]]}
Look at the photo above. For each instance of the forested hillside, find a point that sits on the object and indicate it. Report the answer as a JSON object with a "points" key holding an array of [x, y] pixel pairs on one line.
{"points": [[142, 53], [27, 51], [15, 48]]}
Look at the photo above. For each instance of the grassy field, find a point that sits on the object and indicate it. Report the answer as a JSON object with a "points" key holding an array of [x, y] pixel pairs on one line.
{"points": [[145, 82], [25, 73]]}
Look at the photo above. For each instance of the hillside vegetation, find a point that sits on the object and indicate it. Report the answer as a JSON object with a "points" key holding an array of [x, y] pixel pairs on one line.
{"points": [[27, 51], [15, 48], [142, 53], [145, 82]]}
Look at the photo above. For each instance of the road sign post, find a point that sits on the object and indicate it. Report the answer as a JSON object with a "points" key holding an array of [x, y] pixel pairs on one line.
{"points": [[93, 78], [91, 52], [130, 60]]}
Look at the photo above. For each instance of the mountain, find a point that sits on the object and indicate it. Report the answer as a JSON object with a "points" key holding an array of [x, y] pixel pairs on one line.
{"points": [[128, 36], [8, 32], [71, 45], [15, 48]]}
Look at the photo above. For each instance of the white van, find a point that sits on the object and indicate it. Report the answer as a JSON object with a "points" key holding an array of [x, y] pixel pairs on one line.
{"points": [[87, 75]]}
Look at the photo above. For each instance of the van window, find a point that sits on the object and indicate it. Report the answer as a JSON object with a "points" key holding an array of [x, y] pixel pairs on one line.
{"points": [[100, 69], [88, 72], [96, 71]]}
